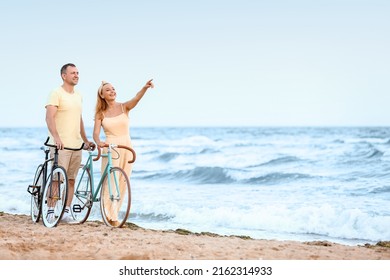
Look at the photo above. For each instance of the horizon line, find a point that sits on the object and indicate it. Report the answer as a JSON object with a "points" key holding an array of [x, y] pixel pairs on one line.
{"points": [[224, 126]]}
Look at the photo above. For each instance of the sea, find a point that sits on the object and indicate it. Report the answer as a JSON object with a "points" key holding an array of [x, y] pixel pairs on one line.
{"points": [[275, 183]]}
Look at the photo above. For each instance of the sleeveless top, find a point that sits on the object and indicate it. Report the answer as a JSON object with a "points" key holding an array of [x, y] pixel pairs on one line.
{"points": [[117, 131]]}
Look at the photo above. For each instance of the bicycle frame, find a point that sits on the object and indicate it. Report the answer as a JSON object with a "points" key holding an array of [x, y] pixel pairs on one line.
{"points": [[45, 164], [55, 164], [89, 165]]}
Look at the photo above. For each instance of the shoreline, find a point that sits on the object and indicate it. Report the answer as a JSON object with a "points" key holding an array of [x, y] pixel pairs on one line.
{"points": [[21, 239]]}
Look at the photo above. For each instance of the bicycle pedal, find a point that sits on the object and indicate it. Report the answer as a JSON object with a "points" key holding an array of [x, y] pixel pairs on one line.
{"points": [[33, 190], [77, 208]]}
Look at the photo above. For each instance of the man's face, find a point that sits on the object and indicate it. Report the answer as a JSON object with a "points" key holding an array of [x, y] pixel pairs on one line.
{"points": [[71, 76]]}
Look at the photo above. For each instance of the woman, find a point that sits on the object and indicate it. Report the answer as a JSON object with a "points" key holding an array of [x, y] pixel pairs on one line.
{"points": [[113, 116]]}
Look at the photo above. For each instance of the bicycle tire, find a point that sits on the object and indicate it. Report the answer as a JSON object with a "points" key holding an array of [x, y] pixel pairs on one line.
{"points": [[36, 195], [52, 200], [115, 211], [82, 199]]}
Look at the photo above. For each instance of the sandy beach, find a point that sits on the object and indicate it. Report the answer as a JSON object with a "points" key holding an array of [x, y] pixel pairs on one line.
{"points": [[21, 239]]}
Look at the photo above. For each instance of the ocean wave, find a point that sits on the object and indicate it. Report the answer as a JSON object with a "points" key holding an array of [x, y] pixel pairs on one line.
{"points": [[309, 222], [374, 154], [168, 156], [246, 144], [277, 177], [338, 141], [206, 175], [150, 217], [363, 152], [151, 152], [208, 151], [200, 175], [219, 175], [381, 190], [280, 160]]}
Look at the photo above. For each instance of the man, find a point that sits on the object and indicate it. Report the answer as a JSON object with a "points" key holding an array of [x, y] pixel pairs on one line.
{"points": [[66, 127]]}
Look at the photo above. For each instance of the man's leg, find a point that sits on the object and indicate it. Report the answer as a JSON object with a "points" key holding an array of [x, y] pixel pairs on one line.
{"points": [[70, 192], [73, 168]]}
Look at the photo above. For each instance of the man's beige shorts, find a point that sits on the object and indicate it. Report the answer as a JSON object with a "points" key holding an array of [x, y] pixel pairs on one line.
{"points": [[70, 160]]}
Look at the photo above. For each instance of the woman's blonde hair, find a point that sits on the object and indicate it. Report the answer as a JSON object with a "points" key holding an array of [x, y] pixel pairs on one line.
{"points": [[101, 104]]}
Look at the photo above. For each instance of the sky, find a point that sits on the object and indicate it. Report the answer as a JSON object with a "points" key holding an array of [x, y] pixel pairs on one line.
{"points": [[214, 63]]}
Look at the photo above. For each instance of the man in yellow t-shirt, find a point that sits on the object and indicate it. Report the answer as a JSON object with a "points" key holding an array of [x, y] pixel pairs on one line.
{"points": [[66, 127]]}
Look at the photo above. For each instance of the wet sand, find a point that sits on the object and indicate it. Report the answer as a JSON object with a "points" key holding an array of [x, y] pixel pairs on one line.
{"points": [[21, 239]]}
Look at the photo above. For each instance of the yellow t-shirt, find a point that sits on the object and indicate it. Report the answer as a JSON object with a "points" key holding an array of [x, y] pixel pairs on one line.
{"points": [[68, 116]]}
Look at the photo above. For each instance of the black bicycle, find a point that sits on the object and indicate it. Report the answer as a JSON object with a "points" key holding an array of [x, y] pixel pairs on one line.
{"points": [[49, 189]]}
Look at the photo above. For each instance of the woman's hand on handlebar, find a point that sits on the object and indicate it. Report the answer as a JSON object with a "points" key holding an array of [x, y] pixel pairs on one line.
{"points": [[105, 145], [102, 144]]}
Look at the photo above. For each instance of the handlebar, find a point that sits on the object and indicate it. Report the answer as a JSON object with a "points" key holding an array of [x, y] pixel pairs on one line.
{"points": [[115, 146], [54, 146]]}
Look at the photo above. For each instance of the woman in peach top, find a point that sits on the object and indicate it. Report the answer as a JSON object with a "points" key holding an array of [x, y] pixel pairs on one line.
{"points": [[113, 116]]}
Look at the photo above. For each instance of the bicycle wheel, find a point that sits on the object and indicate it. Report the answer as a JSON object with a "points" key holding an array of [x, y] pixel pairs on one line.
{"points": [[82, 199], [54, 197], [36, 190], [115, 198]]}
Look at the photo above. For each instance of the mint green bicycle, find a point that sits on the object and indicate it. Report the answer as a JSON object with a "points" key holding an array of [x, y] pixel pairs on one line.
{"points": [[113, 190]]}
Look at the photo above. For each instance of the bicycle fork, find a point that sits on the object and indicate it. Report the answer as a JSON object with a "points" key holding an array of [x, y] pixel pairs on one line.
{"points": [[117, 198], [116, 181]]}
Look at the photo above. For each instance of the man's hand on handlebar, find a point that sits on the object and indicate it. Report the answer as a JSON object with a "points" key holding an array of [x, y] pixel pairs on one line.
{"points": [[89, 146]]}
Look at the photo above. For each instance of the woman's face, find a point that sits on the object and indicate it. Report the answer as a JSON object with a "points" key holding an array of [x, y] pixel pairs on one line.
{"points": [[108, 92]]}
